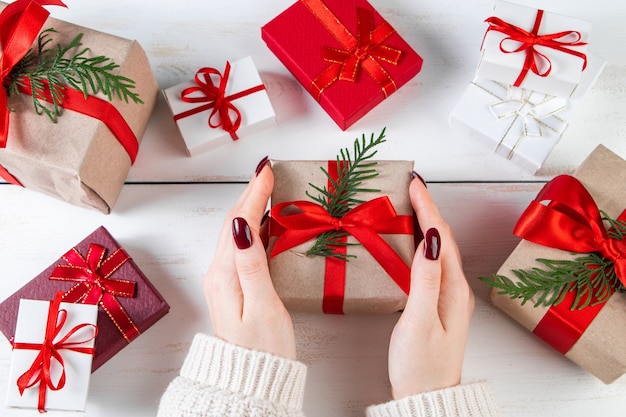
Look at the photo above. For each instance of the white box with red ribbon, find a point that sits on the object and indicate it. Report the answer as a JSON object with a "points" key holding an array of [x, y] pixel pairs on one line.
{"points": [[218, 106], [534, 49]]}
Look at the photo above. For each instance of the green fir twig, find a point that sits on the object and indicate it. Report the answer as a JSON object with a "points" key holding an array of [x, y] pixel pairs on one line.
{"points": [[352, 169], [591, 277], [55, 68]]}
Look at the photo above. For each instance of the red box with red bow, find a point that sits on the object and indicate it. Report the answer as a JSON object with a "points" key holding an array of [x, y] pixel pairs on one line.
{"points": [[343, 53], [96, 271], [565, 281]]}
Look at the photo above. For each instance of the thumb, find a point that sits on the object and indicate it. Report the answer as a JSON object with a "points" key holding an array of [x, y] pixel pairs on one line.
{"points": [[425, 277], [251, 264]]}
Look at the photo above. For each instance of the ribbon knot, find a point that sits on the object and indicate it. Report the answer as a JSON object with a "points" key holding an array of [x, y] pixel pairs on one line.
{"points": [[571, 221], [95, 284], [535, 61], [365, 50], [40, 370], [337, 223], [223, 112]]}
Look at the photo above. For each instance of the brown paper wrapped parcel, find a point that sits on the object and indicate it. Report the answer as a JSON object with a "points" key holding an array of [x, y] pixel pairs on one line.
{"points": [[601, 349], [299, 279], [78, 159]]}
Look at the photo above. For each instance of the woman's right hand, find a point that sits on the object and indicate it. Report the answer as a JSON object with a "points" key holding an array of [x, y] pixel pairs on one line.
{"points": [[428, 343]]}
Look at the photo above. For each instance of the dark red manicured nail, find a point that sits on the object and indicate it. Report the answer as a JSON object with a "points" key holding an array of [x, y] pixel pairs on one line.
{"points": [[265, 217], [241, 233], [432, 244], [416, 175], [261, 165]]}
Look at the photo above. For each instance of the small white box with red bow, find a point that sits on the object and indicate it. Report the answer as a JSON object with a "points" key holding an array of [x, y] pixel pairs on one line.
{"points": [[52, 353], [218, 107], [534, 49]]}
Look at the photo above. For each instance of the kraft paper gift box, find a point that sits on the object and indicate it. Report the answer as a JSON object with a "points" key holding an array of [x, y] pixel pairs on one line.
{"points": [[601, 349], [519, 124], [79, 326], [343, 53], [302, 282], [201, 123], [128, 305], [534, 49], [79, 159]]}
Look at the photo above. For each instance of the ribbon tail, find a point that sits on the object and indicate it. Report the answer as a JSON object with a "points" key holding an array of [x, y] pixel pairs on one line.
{"points": [[384, 254]]}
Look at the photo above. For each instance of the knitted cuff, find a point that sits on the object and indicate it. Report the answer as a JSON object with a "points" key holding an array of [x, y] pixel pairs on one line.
{"points": [[471, 400], [212, 361]]}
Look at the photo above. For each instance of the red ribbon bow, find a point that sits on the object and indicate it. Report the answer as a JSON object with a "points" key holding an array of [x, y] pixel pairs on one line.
{"points": [[20, 22], [365, 222], [217, 100], [529, 40], [366, 50], [40, 370], [95, 285], [571, 221]]}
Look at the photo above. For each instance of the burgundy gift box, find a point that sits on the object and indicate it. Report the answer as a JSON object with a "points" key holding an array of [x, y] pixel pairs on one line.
{"points": [[343, 53], [133, 304]]}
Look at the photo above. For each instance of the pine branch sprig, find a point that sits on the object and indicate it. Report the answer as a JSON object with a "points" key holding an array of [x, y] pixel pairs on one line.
{"points": [[592, 277], [353, 169], [56, 68]]}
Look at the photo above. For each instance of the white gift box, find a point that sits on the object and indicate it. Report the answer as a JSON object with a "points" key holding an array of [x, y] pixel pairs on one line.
{"points": [[255, 109], [31, 328], [565, 68], [520, 124]]}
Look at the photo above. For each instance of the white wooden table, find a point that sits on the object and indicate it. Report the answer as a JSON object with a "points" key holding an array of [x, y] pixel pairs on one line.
{"points": [[172, 205]]}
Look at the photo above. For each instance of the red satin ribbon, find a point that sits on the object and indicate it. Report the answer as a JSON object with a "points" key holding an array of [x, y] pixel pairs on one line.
{"points": [[571, 221], [529, 40], [216, 99], [365, 223], [366, 50], [20, 23], [40, 370], [95, 285]]}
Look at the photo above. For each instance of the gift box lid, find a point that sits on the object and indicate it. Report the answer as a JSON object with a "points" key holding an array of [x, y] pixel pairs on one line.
{"points": [[299, 39]]}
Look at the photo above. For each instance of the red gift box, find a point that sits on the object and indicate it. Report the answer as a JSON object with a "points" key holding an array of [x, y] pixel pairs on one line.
{"points": [[96, 271], [344, 53]]}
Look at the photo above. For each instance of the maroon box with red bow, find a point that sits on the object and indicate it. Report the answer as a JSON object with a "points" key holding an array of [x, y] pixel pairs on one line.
{"points": [[343, 53], [96, 271]]}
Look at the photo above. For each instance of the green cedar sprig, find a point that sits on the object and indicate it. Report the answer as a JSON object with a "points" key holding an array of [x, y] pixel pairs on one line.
{"points": [[59, 67], [592, 277], [352, 171]]}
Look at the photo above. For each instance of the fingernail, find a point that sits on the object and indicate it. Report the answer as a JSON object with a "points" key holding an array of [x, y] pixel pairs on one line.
{"points": [[241, 233], [265, 216], [432, 244], [261, 165], [416, 175]]}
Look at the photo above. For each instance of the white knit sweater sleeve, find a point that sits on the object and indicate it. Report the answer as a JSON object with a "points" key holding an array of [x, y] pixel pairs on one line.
{"points": [[222, 379], [471, 400]]}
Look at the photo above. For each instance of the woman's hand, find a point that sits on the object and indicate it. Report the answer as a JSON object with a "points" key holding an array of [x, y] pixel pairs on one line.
{"points": [[243, 304], [428, 342]]}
